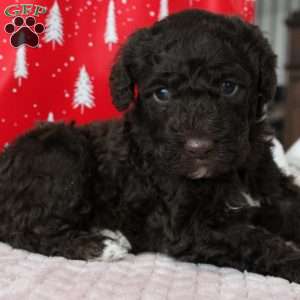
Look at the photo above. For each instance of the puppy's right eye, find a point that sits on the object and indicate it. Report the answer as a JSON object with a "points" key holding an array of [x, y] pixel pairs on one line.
{"points": [[229, 88], [162, 95]]}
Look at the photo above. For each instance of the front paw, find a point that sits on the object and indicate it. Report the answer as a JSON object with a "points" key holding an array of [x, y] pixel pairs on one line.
{"points": [[95, 245], [115, 246]]}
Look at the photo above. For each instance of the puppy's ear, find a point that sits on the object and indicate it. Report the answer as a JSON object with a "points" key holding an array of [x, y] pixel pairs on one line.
{"points": [[267, 79], [264, 59], [261, 56], [127, 68]]}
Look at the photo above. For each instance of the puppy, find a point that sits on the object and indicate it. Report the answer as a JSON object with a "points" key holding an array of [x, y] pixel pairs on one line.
{"points": [[187, 172]]}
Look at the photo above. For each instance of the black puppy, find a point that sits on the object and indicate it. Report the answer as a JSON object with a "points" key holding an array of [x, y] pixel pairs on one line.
{"points": [[187, 172]]}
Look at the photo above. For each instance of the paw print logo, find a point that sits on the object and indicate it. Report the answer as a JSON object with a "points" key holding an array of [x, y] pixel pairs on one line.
{"points": [[24, 32]]}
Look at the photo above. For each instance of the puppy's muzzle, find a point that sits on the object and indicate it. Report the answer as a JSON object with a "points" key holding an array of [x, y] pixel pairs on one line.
{"points": [[198, 152], [198, 148]]}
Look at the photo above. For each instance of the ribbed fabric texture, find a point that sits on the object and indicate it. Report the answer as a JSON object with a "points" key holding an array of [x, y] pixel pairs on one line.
{"points": [[27, 276]]}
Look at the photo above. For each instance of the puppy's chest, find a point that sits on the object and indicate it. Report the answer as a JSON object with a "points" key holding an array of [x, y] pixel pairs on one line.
{"points": [[181, 216], [152, 210], [157, 214]]}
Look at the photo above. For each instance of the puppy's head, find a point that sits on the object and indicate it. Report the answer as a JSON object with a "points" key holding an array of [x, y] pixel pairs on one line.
{"points": [[197, 84]]}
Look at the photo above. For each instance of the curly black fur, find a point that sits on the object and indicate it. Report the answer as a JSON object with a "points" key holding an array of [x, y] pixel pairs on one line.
{"points": [[60, 184]]}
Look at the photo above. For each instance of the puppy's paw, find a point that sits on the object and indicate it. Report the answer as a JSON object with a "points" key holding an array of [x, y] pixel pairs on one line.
{"points": [[116, 246], [117, 236]]}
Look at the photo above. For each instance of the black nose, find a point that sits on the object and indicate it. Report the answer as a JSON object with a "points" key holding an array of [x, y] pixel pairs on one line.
{"points": [[198, 147]]}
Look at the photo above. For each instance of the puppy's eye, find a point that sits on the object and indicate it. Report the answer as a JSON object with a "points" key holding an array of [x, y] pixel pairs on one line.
{"points": [[162, 95], [229, 88]]}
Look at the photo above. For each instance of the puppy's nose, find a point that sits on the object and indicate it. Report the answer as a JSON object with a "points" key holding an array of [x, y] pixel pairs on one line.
{"points": [[198, 147]]}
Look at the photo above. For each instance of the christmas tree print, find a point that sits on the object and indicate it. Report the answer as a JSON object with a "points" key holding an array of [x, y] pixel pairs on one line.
{"points": [[50, 117], [54, 26], [21, 65], [83, 96], [110, 35], [163, 9]]}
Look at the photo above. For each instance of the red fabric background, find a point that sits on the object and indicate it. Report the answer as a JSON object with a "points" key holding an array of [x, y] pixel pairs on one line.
{"points": [[50, 84]]}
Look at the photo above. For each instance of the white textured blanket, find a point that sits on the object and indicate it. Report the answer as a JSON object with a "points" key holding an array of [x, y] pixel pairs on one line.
{"points": [[27, 276]]}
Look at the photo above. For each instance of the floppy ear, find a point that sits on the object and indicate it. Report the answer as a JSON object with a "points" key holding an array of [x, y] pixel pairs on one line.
{"points": [[127, 68], [262, 61], [267, 79], [265, 60]]}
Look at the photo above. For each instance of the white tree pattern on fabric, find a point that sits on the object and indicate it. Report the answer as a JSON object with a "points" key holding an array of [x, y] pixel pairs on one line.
{"points": [[50, 117], [163, 9], [83, 96], [54, 26], [110, 35], [191, 2], [21, 65]]}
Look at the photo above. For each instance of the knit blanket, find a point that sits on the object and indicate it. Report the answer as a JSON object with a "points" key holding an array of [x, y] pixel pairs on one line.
{"points": [[28, 276]]}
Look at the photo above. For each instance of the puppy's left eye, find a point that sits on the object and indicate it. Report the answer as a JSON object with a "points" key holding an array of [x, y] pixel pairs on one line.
{"points": [[229, 88], [162, 95]]}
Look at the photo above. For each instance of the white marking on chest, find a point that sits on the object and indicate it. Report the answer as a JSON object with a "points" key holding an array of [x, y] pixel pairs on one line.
{"points": [[250, 201], [292, 245], [247, 201]]}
